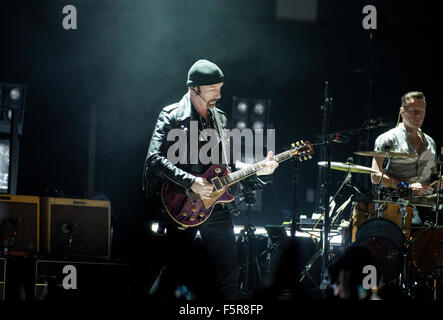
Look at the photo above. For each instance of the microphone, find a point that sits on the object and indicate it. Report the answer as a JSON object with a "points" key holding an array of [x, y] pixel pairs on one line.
{"points": [[217, 103]]}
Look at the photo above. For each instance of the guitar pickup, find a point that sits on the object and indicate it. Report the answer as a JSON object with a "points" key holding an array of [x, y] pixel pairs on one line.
{"points": [[217, 183]]}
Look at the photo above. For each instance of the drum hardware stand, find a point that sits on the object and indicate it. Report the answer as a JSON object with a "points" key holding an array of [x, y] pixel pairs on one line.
{"points": [[331, 214], [346, 180], [377, 187], [435, 276], [407, 255], [308, 266], [404, 212], [407, 264]]}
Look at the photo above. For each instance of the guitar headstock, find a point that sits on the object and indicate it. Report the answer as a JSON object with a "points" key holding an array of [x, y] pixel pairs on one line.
{"points": [[302, 150]]}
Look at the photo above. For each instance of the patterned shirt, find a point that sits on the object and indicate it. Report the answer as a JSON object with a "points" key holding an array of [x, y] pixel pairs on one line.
{"points": [[409, 170]]}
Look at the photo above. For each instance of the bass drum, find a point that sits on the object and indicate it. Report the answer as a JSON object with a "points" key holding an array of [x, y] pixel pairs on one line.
{"points": [[385, 240], [427, 246], [364, 211]]}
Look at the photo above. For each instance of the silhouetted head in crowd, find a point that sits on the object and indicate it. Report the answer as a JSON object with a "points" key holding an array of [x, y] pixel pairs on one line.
{"points": [[347, 274]]}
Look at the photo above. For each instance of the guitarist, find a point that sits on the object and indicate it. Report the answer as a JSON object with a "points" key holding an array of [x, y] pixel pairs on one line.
{"points": [[205, 80]]}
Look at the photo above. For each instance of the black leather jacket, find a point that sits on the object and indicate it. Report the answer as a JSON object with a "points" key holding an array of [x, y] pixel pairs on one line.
{"points": [[158, 168]]}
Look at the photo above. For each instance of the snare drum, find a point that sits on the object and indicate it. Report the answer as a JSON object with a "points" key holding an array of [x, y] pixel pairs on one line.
{"points": [[362, 212]]}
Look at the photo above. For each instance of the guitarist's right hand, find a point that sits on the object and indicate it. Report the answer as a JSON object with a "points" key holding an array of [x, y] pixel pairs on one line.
{"points": [[202, 187]]}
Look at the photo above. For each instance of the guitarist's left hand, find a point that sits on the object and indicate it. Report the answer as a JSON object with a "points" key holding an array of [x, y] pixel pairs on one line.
{"points": [[269, 166]]}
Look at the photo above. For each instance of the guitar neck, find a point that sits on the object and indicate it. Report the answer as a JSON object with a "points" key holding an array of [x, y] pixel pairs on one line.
{"points": [[239, 175]]}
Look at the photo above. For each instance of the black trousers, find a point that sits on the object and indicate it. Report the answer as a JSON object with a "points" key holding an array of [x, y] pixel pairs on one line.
{"points": [[208, 267]]}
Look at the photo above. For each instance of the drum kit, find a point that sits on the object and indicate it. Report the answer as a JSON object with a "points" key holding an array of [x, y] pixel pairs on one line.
{"points": [[409, 255]]}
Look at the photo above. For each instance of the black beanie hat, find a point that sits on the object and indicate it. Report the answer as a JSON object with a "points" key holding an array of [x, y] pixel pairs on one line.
{"points": [[203, 73]]}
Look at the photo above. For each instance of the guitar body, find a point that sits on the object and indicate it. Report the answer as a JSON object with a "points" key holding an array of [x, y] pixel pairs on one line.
{"points": [[189, 210], [192, 211]]}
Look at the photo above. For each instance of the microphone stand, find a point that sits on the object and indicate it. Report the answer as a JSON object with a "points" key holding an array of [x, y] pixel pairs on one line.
{"points": [[295, 180], [327, 139], [251, 275], [320, 252], [326, 148]]}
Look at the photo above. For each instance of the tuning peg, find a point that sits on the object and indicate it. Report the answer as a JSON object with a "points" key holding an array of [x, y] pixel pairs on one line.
{"points": [[292, 145], [297, 143], [305, 158], [300, 159], [301, 141], [310, 157]]}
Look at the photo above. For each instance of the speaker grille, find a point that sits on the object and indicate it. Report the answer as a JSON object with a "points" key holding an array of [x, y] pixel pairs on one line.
{"points": [[79, 231], [18, 227]]}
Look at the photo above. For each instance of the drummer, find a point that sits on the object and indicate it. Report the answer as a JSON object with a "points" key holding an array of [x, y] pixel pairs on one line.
{"points": [[408, 137]]}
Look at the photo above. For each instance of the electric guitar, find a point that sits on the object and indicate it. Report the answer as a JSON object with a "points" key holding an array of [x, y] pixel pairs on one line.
{"points": [[189, 210]]}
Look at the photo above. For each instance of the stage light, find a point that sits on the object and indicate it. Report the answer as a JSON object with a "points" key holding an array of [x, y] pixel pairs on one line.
{"points": [[337, 239], [254, 113], [14, 94], [259, 108], [242, 107], [258, 125], [241, 125], [12, 105], [257, 231], [158, 228], [7, 115], [154, 227]]}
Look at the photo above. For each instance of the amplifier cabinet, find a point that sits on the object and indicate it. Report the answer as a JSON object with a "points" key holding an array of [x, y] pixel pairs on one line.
{"points": [[93, 280], [19, 224], [75, 228]]}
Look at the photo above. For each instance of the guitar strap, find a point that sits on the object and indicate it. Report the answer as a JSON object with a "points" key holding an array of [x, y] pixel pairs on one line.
{"points": [[222, 135]]}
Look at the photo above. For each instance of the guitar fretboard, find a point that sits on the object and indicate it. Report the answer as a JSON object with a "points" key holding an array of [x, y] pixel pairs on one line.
{"points": [[239, 175]]}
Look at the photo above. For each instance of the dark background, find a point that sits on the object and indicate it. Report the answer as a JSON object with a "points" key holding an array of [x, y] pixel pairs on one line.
{"points": [[130, 58]]}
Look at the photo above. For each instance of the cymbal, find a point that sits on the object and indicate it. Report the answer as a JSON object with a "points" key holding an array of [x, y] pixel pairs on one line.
{"points": [[425, 201], [387, 154], [341, 166]]}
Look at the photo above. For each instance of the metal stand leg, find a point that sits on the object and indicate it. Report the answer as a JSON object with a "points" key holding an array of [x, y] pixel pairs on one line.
{"points": [[406, 273], [251, 277], [407, 255]]}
